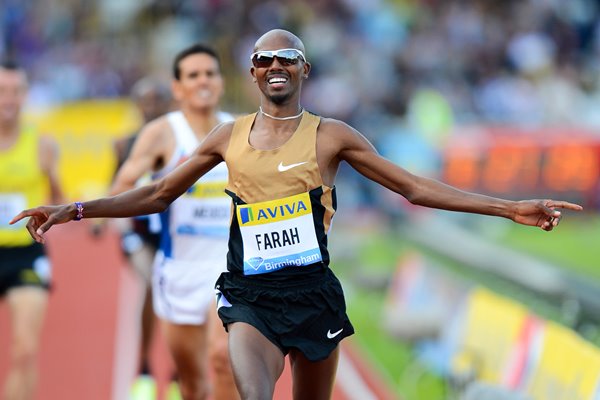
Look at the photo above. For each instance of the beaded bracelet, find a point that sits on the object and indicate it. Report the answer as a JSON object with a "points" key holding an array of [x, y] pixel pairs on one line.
{"points": [[79, 211]]}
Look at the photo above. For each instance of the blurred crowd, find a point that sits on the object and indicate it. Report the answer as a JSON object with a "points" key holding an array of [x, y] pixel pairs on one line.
{"points": [[527, 62]]}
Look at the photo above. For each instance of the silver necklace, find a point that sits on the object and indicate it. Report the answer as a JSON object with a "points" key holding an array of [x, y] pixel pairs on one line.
{"points": [[280, 118]]}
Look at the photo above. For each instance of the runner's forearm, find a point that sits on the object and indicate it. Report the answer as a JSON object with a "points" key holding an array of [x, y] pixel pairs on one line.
{"points": [[436, 194], [140, 201]]}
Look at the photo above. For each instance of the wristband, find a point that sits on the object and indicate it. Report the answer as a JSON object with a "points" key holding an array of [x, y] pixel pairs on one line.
{"points": [[79, 211]]}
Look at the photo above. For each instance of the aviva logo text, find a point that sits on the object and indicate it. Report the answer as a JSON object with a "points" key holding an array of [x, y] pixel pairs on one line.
{"points": [[274, 210]]}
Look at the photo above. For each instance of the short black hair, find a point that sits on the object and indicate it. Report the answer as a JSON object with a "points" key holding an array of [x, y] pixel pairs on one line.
{"points": [[150, 84], [197, 48], [10, 64]]}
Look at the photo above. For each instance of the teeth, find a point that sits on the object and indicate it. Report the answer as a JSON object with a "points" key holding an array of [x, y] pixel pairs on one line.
{"points": [[277, 80], [204, 93]]}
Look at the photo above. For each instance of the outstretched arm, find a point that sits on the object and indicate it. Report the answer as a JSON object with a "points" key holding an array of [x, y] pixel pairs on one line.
{"points": [[149, 199], [355, 149]]}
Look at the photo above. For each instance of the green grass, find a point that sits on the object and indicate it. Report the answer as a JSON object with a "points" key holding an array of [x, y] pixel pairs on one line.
{"points": [[575, 244]]}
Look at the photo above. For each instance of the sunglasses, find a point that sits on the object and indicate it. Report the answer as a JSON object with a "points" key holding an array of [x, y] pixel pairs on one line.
{"points": [[286, 57]]}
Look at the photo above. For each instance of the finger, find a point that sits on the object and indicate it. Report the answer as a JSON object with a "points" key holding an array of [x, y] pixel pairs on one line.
{"points": [[556, 221], [550, 223], [565, 205], [32, 231], [547, 226], [20, 216], [549, 211], [39, 238], [45, 226]]}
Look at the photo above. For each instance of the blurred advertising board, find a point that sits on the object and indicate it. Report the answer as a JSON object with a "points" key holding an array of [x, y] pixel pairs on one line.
{"points": [[568, 367], [491, 331], [85, 132], [469, 333], [513, 162]]}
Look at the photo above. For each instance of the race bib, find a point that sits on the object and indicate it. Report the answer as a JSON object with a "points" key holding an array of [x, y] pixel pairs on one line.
{"points": [[204, 210], [278, 234], [10, 205]]}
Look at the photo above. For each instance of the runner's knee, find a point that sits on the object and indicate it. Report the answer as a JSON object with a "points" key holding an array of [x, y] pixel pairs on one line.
{"points": [[252, 391], [194, 390], [219, 357], [24, 353]]}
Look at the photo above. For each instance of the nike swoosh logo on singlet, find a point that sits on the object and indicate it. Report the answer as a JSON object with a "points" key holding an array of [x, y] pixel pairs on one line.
{"points": [[283, 168]]}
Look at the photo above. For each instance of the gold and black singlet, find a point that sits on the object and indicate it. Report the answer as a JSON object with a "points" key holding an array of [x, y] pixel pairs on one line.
{"points": [[282, 209]]}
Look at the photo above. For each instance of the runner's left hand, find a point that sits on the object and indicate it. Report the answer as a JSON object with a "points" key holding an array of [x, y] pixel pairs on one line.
{"points": [[542, 213]]}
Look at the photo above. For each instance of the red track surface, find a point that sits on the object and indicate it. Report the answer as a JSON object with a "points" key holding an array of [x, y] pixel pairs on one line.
{"points": [[89, 340]]}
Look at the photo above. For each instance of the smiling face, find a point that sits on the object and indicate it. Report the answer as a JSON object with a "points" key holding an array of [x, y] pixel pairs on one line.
{"points": [[200, 84], [280, 81]]}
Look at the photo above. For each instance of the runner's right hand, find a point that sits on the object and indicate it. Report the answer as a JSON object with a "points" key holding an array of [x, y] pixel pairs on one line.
{"points": [[42, 218]]}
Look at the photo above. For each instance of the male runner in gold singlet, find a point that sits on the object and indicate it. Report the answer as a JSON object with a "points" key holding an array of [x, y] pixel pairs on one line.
{"points": [[279, 297], [28, 175]]}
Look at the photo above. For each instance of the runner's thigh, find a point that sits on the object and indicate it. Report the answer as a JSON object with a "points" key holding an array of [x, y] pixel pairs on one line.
{"points": [[313, 380], [257, 363]]}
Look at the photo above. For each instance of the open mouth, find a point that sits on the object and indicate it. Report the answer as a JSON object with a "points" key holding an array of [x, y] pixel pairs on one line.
{"points": [[277, 81], [204, 94]]}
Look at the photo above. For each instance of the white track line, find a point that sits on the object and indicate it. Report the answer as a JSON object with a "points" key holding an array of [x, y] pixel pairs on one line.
{"points": [[350, 381], [126, 335]]}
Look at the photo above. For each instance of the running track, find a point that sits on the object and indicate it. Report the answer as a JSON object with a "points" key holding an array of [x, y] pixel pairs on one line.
{"points": [[89, 337]]}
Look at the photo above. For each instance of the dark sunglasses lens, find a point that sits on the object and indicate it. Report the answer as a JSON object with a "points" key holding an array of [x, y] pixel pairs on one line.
{"points": [[288, 57], [285, 58], [261, 61], [287, 61]]}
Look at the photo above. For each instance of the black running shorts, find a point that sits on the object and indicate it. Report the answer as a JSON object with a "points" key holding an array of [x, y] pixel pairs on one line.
{"points": [[24, 266], [308, 315]]}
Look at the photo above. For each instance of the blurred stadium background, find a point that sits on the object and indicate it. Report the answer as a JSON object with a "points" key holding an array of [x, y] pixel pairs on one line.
{"points": [[500, 97]]}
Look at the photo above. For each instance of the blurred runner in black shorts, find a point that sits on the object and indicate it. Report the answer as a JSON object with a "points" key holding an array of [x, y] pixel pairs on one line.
{"points": [[28, 174], [141, 236]]}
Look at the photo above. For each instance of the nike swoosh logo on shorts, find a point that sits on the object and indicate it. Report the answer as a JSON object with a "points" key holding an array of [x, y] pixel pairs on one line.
{"points": [[283, 168], [334, 334]]}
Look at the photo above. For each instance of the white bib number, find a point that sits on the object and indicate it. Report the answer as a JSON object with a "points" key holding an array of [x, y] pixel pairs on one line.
{"points": [[204, 210], [10, 205], [278, 234]]}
